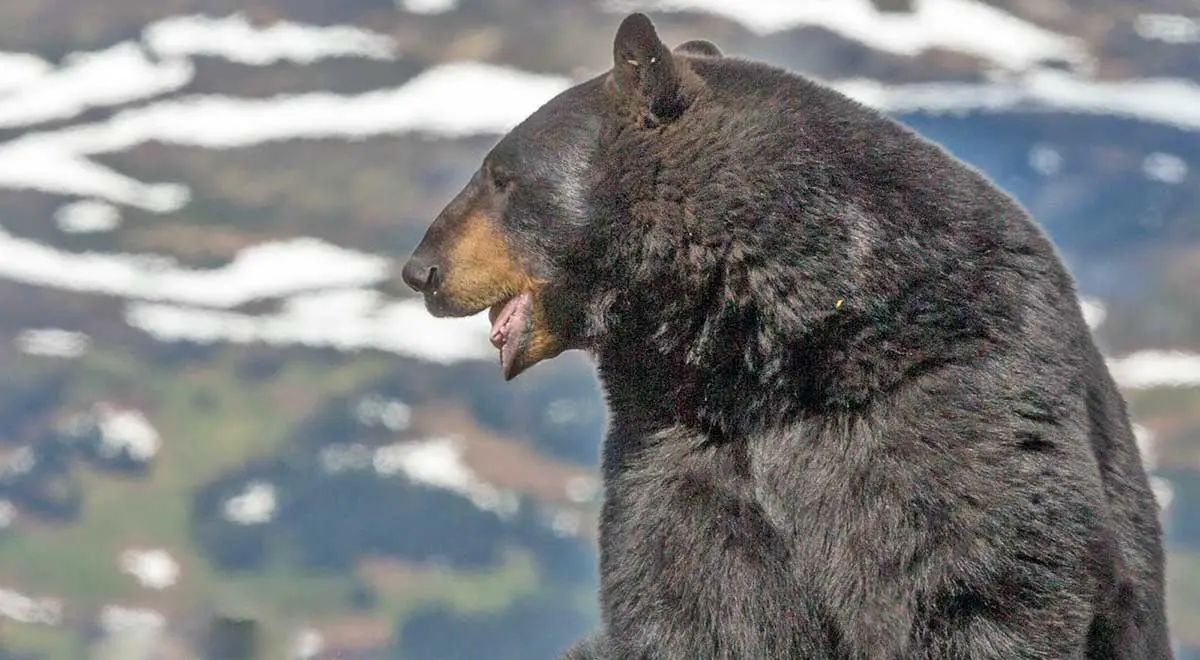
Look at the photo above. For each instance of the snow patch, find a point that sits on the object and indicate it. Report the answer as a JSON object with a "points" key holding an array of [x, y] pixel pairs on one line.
{"points": [[582, 490], [265, 270], [118, 619], [307, 645], [8, 514], [25, 609], [1168, 28], [1045, 160], [19, 69], [255, 505], [235, 39], [435, 462], [1094, 312], [339, 458], [117, 431], [126, 431], [52, 342], [1164, 492], [57, 169], [1173, 102], [1147, 445], [20, 462], [375, 410], [109, 77], [426, 6], [965, 26], [1156, 368], [565, 523], [438, 462], [445, 100], [403, 327], [1166, 168], [87, 217], [452, 100], [154, 568]]}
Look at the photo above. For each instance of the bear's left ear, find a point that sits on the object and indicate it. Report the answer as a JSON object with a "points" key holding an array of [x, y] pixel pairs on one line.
{"points": [[644, 69]]}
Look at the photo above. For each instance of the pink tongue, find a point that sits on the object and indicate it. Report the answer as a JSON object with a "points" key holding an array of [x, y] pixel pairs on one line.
{"points": [[508, 328]]}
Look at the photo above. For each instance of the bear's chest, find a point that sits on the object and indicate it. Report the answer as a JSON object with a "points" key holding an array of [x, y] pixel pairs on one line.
{"points": [[677, 510], [707, 537]]}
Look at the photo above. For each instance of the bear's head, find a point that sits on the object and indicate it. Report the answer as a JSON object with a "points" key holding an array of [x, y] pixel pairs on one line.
{"points": [[526, 237], [708, 226]]}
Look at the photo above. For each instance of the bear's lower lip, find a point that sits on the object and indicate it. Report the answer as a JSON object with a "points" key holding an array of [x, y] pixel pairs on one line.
{"points": [[510, 328], [440, 307]]}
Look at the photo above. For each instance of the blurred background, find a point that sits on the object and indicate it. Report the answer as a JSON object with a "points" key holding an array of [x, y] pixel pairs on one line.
{"points": [[227, 432]]}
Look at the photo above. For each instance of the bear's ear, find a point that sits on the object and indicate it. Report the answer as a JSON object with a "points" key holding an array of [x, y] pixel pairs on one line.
{"points": [[644, 69], [698, 48]]}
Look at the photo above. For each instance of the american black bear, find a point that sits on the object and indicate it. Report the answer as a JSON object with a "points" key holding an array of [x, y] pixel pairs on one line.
{"points": [[855, 411]]}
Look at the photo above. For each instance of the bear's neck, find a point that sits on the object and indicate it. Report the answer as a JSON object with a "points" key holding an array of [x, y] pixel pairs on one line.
{"points": [[729, 375], [716, 382]]}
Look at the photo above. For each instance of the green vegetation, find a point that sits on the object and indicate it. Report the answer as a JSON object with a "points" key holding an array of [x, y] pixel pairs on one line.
{"points": [[210, 423]]}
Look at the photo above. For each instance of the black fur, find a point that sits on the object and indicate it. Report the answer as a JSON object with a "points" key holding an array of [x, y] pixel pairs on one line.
{"points": [[855, 410], [698, 48], [644, 68]]}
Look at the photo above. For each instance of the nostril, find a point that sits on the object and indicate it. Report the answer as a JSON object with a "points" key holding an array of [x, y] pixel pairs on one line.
{"points": [[420, 275]]}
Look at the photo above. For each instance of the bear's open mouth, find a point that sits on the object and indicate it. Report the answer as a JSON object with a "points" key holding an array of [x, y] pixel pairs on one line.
{"points": [[512, 320]]}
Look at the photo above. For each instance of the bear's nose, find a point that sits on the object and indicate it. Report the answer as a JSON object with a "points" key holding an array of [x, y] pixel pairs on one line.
{"points": [[420, 273]]}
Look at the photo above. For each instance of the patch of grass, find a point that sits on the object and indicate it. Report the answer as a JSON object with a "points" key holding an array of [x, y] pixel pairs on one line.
{"points": [[282, 599], [52, 642], [278, 592], [236, 422], [490, 591], [464, 591]]}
